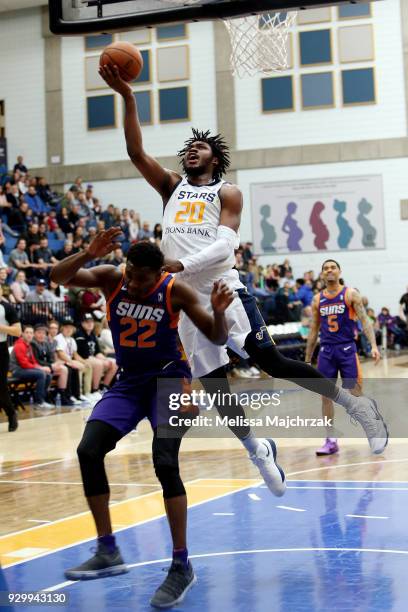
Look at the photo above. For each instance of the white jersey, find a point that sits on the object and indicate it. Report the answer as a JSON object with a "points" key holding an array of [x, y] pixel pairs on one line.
{"points": [[190, 223]]}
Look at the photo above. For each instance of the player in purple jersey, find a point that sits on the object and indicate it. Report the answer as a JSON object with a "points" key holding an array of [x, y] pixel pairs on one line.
{"points": [[335, 312], [143, 307]]}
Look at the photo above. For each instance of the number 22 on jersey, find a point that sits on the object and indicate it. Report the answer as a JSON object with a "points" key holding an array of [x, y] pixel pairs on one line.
{"points": [[129, 336]]}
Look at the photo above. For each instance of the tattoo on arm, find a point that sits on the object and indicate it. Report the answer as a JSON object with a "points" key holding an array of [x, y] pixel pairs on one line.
{"points": [[365, 321], [313, 334]]}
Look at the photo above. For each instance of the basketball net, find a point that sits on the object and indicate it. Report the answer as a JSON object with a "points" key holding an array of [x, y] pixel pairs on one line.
{"points": [[259, 43]]}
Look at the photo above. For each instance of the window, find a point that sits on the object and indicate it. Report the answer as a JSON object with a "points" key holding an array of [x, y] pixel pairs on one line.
{"points": [[356, 43], [358, 86], [317, 90], [144, 106], [141, 36], [277, 94], [171, 32], [315, 47], [98, 41], [92, 78], [173, 104], [145, 75], [316, 15], [172, 63], [101, 112], [351, 11]]}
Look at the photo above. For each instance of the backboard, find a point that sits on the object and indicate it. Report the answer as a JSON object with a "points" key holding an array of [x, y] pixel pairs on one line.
{"points": [[87, 16]]}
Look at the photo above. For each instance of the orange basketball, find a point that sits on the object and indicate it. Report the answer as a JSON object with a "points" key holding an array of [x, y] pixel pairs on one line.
{"points": [[127, 58]]}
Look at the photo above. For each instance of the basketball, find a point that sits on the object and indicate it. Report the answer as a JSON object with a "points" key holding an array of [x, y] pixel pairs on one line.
{"points": [[127, 58]]}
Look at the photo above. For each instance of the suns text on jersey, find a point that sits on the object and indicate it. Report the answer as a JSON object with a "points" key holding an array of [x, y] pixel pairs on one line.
{"points": [[332, 309], [139, 311]]}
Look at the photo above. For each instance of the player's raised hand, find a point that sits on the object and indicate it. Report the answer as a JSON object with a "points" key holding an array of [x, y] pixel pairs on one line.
{"points": [[221, 297], [111, 76], [104, 242]]}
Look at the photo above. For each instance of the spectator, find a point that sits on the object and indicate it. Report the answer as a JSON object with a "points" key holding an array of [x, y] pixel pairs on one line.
{"points": [[45, 355], [105, 338], [134, 225], [9, 326], [41, 293], [247, 254], [91, 353], [18, 258], [287, 278], [117, 257], [19, 287], [145, 232], [403, 310], [158, 233], [64, 222], [44, 190], [304, 291], [20, 218], [67, 249], [34, 201], [74, 215], [20, 166], [13, 197], [32, 238], [108, 216], [24, 366], [44, 258], [67, 352], [94, 303], [396, 335], [6, 289]]}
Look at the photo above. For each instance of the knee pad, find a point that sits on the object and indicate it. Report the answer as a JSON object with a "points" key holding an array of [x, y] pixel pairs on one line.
{"points": [[166, 467]]}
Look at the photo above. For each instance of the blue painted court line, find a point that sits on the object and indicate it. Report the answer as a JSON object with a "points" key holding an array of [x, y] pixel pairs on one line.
{"points": [[262, 558]]}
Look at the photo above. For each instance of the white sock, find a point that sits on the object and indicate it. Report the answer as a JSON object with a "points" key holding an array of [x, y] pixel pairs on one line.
{"points": [[251, 443]]}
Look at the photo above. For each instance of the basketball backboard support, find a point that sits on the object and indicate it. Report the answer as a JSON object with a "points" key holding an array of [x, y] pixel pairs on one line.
{"points": [[88, 16]]}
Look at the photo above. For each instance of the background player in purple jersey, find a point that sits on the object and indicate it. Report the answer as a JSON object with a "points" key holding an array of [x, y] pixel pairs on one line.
{"points": [[335, 312], [143, 306]]}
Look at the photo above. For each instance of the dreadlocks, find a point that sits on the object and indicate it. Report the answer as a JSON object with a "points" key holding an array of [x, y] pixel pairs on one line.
{"points": [[218, 146]]}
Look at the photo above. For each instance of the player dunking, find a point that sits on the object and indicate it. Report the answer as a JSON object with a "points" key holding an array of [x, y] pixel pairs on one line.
{"points": [[202, 215], [335, 311], [143, 307]]}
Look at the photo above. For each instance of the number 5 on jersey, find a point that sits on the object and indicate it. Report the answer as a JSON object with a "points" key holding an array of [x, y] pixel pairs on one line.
{"points": [[333, 323]]}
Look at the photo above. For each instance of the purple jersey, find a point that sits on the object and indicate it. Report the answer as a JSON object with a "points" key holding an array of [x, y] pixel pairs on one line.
{"points": [[337, 318], [144, 332]]}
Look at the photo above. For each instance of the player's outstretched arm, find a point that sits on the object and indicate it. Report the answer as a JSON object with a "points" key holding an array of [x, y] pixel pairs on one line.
{"points": [[314, 330], [214, 327], [368, 328], [69, 271], [159, 178]]}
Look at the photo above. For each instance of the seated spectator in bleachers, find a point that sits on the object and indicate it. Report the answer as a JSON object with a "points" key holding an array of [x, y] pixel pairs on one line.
{"points": [[34, 201], [158, 234], [73, 215], [44, 258], [44, 190], [284, 268], [287, 278], [53, 226], [304, 291], [272, 277], [94, 303], [145, 233], [13, 197], [24, 365], [19, 287], [20, 218], [396, 336], [108, 216], [2, 262], [40, 294], [134, 225], [32, 238], [247, 254], [18, 258], [90, 351], [57, 292], [306, 322], [117, 257], [67, 352], [6, 289], [20, 165], [67, 249], [64, 222], [104, 335], [44, 353]]}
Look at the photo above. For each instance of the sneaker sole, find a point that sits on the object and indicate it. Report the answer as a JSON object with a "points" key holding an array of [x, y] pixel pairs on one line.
{"points": [[281, 472], [179, 599], [379, 451], [92, 575], [326, 454]]}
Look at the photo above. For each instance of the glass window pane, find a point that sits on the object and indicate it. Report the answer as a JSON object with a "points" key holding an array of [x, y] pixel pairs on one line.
{"points": [[356, 43], [172, 63], [317, 90], [171, 31], [354, 10], [277, 94], [98, 41], [145, 75], [101, 112], [315, 47], [173, 104], [358, 86], [316, 15], [144, 107]]}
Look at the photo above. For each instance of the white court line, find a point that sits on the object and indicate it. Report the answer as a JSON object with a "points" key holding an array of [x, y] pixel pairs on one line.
{"points": [[37, 521], [37, 465], [366, 516], [353, 488], [254, 496], [223, 513], [61, 482], [62, 585], [293, 509], [345, 465], [215, 498]]}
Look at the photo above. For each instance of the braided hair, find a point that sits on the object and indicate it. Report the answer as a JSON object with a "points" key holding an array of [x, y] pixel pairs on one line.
{"points": [[218, 146]]}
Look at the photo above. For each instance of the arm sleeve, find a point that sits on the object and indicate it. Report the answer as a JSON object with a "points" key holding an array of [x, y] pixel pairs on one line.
{"points": [[216, 252]]}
